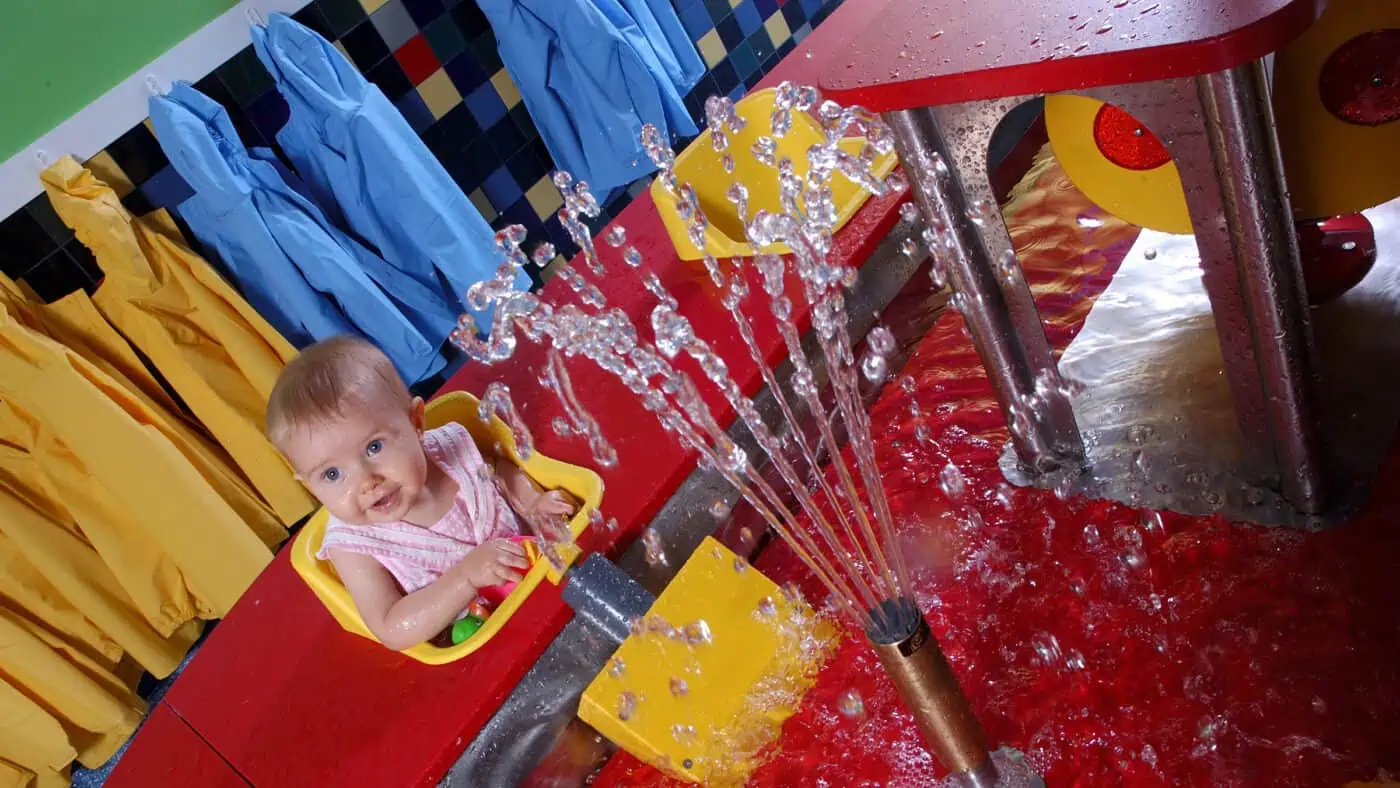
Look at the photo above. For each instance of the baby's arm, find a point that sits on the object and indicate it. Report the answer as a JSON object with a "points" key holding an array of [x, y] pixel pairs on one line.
{"points": [[525, 497], [402, 620]]}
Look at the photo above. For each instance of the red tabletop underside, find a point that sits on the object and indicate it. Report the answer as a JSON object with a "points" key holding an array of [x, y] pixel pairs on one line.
{"points": [[920, 53], [288, 698]]}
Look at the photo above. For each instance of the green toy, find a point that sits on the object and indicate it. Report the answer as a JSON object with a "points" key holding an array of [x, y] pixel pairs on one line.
{"points": [[465, 628]]}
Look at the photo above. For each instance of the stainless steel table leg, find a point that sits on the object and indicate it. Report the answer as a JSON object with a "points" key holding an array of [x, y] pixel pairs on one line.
{"points": [[1219, 129], [949, 180], [1249, 167]]}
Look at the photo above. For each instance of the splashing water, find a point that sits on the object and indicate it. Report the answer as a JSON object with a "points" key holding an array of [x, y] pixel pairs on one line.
{"points": [[579, 421], [496, 402]]}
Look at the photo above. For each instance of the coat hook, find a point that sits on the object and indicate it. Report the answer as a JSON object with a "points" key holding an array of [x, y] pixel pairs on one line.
{"points": [[41, 157], [153, 86], [254, 16]]}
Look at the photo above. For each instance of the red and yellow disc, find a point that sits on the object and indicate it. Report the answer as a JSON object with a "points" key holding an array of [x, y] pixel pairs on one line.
{"points": [[1336, 97], [1117, 162]]}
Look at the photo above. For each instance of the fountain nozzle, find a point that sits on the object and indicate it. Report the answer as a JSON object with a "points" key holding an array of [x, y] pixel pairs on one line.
{"points": [[932, 694]]}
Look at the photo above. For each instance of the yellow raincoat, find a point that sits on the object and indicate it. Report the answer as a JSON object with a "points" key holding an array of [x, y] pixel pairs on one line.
{"points": [[57, 704], [213, 349]]}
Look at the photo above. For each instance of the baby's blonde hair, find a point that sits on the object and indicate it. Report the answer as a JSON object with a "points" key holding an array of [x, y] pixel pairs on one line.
{"points": [[323, 379]]}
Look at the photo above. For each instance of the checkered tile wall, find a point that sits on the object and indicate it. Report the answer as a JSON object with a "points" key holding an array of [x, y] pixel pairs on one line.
{"points": [[437, 61]]}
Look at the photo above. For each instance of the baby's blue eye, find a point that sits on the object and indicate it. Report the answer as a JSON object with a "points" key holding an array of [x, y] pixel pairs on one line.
{"points": [[331, 474], [374, 447]]}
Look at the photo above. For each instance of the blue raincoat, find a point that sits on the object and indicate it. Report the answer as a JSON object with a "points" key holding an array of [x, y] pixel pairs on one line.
{"points": [[587, 86], [661, 27], [307, 278], [640, 27], [351, 143]]}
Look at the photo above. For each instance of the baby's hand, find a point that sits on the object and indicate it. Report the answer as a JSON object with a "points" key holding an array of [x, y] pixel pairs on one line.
{"points": [[495, 562], [556, 503]]}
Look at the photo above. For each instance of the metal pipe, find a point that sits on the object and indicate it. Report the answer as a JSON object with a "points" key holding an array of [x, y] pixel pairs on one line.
{"points": [[1003, 321], [1249, 169], [931, 692]]}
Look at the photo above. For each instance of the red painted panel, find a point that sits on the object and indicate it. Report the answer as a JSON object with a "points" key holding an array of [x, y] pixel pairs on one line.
{"points": [[931, 52], [168, 754]]}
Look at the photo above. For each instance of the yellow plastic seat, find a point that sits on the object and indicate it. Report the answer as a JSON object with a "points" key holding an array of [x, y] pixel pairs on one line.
{"points": [[460, 407], [702, 167]]}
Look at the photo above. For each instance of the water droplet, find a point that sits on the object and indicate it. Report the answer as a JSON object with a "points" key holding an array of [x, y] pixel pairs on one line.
{"points": [[1103, 29], [766, 607], [1064, 488], [850, 704], [685, 735], [1091, 535], [1319, 705], [543, 255], [696, 633], [1148, 755], [1075, 661], [980, 212], [909, 212], [626, 705], [1005, 496], [1347, 246], [632, 257], [907, 384], [561, 427], [909, 248], [922, 433], [1133, 557], [1047, 649], [874, 367], [678, 687], [656, 550], [1149, 254], [616, 236], [719, 507], [1088, 221], [951, 481], [740, 565], [1152, 524]]}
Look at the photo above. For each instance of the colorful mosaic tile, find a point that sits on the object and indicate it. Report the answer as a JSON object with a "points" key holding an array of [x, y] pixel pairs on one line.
{"points": [[436, 60]]}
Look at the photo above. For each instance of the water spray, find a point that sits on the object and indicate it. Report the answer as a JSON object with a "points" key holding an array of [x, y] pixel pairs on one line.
{"points": [[834, 512]]}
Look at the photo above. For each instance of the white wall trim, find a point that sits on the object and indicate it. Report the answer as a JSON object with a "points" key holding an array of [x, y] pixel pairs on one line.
{"points": [[97, 125]]}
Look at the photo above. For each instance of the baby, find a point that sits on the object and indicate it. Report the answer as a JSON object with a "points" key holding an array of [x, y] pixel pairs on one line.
{"points": [[417, 529]]}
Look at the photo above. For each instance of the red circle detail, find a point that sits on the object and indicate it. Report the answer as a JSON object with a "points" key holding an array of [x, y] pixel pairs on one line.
{"points": [[1126, 142], [1360, 82]]}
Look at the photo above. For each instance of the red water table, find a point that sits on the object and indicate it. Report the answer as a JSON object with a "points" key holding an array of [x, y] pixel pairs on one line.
{"points": [[945, 73]]}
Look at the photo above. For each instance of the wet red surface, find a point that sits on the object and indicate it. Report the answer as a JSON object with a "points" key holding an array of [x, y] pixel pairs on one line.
{"points": [[1187, 651], [931, 52]]}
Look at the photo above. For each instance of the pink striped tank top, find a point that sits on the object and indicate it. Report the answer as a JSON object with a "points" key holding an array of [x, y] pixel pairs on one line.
{"points": [[416, 556]]}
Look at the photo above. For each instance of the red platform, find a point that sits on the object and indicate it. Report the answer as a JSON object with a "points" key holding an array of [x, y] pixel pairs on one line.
{"points": [[181, 758], [288, 698], [924, 53]]}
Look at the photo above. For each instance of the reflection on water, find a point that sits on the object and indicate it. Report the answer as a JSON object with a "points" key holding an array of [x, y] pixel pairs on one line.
{"points": [[1155, 406]]}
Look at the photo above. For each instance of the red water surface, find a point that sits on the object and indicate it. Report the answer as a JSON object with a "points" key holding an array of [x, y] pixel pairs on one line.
{"points": [[1213, 654]]}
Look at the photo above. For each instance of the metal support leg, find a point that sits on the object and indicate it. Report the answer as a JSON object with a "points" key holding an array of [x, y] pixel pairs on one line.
{"points": [[949, 181], [1219, 129], [1249, 168]]}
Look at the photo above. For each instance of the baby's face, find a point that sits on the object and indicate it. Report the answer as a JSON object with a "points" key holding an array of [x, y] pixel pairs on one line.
{"points": [[367, 465]]}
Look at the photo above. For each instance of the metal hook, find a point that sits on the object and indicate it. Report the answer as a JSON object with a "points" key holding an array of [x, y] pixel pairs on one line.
{"points": [[41, 157], [254, 16], [153, 86]]}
